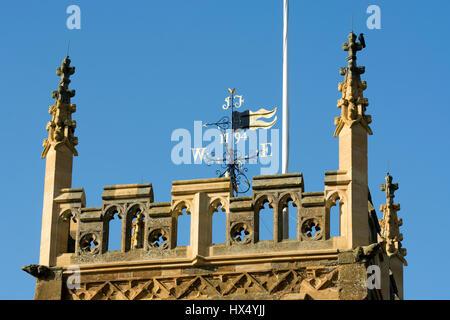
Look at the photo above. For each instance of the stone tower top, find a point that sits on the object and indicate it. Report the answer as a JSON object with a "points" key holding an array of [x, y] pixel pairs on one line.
{"points": [[326, 257], [61, 128], [352, 104]]}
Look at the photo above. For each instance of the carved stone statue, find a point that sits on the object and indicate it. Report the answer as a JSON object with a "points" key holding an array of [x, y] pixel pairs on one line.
{"points": [[137, 229]]}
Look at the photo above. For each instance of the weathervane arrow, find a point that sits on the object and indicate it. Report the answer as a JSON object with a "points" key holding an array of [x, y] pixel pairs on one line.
{"points": [[232, 163]]}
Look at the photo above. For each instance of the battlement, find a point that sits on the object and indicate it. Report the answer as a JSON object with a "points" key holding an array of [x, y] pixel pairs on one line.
{"points": [[149, 229], [149, 252]]}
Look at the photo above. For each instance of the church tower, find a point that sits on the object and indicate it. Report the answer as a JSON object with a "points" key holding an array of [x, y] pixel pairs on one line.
{"points": [[364, 261]]}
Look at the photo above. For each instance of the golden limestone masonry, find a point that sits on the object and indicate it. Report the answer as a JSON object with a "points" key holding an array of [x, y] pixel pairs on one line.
{"points": [[365, 261]]}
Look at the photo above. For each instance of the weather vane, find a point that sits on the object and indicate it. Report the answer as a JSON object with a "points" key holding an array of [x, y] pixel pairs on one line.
{"points": [[232, 162]]}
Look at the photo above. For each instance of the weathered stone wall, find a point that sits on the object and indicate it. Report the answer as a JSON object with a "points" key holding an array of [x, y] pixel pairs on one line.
{"points": [[150, 265], [313, 275]]}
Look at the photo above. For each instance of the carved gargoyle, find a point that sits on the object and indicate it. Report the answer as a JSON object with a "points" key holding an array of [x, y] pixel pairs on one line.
{"points": [[38, 271], [365, 254]]}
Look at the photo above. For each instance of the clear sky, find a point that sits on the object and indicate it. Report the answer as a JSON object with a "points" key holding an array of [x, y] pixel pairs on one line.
{"points": [[146, 68]]}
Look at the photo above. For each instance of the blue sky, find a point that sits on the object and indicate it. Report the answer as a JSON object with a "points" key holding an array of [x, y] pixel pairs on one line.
{"points": [[145, 68]]}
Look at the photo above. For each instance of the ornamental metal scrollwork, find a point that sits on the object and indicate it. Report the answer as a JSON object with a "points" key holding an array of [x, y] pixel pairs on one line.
{"points": [[233, 161]]}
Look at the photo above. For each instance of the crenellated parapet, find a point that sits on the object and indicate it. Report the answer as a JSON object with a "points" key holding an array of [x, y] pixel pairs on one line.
{"points": [[149, 229], [124, 202], [150, 263], [278, 190], [314, 222]]}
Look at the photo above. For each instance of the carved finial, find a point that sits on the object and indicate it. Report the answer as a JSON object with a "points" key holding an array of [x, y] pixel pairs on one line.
{"points": [[352, 104], [63, 93], [390, 224], [61, 128], [389, 188]]}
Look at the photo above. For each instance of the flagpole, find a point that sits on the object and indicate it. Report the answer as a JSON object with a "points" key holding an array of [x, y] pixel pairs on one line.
{"points": [[285, 111]]}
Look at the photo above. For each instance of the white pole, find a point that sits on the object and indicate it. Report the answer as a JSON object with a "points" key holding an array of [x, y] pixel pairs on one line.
{"points": [[285, 113]]}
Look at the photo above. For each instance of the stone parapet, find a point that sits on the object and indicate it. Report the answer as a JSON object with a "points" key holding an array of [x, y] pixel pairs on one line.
{"points": [[149, 229]]}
